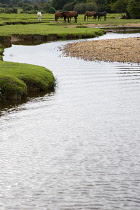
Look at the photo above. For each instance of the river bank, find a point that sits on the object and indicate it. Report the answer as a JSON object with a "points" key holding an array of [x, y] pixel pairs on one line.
{"points": [[113, 50]]}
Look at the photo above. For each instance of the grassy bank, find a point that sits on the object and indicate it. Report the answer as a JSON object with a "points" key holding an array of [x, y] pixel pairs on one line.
{"points": [[39, 33], [44, 29], [1, 51], [17, 80]]}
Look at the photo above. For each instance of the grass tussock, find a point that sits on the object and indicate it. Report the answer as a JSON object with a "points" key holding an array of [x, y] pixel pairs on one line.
{"points": [[17, 80]]}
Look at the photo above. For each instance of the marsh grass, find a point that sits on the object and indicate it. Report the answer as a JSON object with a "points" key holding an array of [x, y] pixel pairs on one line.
{"points": [[17, 80]]}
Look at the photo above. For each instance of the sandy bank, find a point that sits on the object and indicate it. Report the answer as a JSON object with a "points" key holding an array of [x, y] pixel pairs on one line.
{"points": [[119, 50]]}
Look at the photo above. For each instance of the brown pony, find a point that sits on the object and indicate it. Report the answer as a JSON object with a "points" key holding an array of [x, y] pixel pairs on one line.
{"points": [[89, 14], [58, 15], [69, 14]]}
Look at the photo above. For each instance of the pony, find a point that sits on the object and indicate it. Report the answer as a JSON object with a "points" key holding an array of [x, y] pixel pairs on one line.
{"points": [[89, 14], [69, 14], [58, 15], [39, 14], [100, 14]]}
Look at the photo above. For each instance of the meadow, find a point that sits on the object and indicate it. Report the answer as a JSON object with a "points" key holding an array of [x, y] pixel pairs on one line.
{"points": [[112, 19]]}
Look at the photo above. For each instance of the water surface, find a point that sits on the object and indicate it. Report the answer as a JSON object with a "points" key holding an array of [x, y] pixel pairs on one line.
{"points": [[77, 148]]}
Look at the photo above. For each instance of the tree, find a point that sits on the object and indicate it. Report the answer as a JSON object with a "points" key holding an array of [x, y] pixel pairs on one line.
{"points": [[69, 6], [80, 8], [27, 7], [58, 4], [47, 8], [133, 8], [92, 6], [119, 6], [102, 5]]}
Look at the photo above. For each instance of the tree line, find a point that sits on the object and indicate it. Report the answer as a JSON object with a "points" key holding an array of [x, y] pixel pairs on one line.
{"points": [[131, 8]]}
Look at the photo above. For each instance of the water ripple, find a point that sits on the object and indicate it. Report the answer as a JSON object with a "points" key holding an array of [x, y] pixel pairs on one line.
{"points": [[77, 148]]}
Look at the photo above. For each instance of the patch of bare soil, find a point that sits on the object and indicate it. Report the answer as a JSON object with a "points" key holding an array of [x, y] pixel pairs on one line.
{"points": [[112, 50]]}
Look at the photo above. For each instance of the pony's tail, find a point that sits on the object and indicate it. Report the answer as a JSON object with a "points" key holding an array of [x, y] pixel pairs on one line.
{"points": [[56, 18], [84, 17]]}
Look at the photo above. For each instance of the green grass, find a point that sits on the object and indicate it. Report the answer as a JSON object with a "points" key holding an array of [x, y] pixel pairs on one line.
{"points": [[49, 19], [1, 51], [24, 18], [16, 80], [44, 29], [49, 26]]}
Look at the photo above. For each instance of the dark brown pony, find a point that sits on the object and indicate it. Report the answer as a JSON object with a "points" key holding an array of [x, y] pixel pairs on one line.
{"points": [[69, 14], [100, 14], [89, 14], [58, 15]]}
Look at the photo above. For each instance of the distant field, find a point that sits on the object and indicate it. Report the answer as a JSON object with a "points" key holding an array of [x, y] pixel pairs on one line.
{"points": [[112, 19], [28, 24]]}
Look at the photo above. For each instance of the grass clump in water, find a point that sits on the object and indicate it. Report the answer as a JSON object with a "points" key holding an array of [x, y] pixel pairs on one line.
{"points": [[17, 80]]}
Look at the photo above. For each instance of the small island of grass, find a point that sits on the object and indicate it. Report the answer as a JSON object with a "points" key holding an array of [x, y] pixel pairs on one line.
{"points": [[17, 80]]}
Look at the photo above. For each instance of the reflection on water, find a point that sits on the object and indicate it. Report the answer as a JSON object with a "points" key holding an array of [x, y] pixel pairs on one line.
{"points": [[77, 148]]}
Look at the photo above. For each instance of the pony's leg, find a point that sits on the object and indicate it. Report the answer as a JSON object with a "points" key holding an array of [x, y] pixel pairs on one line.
{"points": [[94, 17], [75, 19], [64, 19]]}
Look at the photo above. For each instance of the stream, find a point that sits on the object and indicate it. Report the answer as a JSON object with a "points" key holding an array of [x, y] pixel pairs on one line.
{"points": [[77, 148]]}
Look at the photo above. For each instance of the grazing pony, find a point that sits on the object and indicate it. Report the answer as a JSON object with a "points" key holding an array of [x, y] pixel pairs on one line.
{"points": [[39, 15], [69, 14], [100, 14], [58, 15], [89, 14]]}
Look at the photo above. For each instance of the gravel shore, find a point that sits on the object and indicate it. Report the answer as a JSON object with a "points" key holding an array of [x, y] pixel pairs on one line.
{"points": [[112, 50]]}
